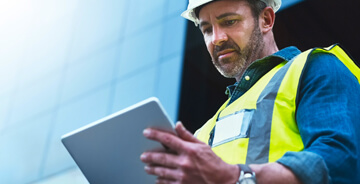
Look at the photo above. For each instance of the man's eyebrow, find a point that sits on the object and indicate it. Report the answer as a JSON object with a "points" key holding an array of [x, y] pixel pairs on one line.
{"points": [[204, 23], [225, 15]]}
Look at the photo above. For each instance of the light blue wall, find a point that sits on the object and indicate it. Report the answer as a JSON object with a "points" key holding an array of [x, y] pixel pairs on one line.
{"points": [[66, 63]]}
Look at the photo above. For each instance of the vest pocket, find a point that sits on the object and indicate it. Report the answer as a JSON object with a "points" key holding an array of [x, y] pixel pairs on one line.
{"points": [[232, 127]]}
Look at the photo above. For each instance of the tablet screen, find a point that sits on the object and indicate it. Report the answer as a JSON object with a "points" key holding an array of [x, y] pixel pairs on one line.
{"points": [[108, 150]]}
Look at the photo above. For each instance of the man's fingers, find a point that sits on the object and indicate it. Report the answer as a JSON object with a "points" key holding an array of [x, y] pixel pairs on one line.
{"points": [[171, 141], [164, 159], [161, 180], [185, 134], [163, 172]]}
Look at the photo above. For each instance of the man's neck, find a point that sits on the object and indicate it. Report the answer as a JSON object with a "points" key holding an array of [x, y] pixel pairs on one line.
{"points": [[270, 48]]}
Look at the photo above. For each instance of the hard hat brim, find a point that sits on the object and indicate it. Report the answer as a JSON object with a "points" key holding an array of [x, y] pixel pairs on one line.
{"points": [[190, 12]]}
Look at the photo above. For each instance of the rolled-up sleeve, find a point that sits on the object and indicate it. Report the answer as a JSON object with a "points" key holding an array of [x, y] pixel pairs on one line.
{"points": [[328, 118]]}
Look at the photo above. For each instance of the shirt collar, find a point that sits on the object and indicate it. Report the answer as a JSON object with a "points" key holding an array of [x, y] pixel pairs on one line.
{"points": [[287, 53], [261, 66]]}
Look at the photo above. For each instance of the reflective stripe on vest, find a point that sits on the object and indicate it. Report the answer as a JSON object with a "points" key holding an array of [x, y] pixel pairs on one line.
{"points": [[268, 125]]}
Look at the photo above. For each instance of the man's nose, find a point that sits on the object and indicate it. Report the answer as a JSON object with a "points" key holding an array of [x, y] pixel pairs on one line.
{"points": [[219, 36]]}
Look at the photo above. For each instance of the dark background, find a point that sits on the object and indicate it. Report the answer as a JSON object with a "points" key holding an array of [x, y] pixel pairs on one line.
{"points": [[312, 23]]}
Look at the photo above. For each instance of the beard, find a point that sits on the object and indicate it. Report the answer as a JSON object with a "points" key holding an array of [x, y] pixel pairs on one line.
{"points": [[234, 66]]}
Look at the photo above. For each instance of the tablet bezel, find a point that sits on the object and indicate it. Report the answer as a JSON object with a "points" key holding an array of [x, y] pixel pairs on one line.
{"points": [[108, 150]]}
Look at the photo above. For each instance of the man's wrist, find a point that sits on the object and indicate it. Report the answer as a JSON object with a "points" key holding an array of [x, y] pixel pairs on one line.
{"points": [[234, 172], [238, 175], [246, 175]]}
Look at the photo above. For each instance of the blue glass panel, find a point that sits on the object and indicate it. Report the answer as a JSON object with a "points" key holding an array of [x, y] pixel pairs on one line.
{"points": [[47, 52], [5, 100], [34, 35], [71, 176], [140, 51], [9, 69], [33, 99], [93, 72], [97, 24], [143, 14], [22, 151], [134, 89], [288, 3], [74, 115], [168, 86], [174, 36], [176, 7]]}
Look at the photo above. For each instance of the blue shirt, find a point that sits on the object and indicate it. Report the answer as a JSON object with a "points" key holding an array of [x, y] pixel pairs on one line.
{"points": [[328, 117]]}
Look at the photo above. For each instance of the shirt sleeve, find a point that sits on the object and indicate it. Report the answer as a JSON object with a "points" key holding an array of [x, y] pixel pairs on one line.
{"points": [[328, 115]]}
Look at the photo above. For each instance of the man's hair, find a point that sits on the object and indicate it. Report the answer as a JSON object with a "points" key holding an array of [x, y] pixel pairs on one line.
{"points": [[256, 6]]}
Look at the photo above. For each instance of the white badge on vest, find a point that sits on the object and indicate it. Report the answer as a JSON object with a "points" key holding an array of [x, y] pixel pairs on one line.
{"points": [[232, 127]]}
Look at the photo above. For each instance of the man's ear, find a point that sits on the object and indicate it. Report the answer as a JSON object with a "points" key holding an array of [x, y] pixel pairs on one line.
{"points": [[266, 20]]}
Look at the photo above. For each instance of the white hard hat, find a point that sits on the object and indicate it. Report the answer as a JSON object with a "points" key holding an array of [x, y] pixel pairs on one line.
{"points": [[190, 12]]}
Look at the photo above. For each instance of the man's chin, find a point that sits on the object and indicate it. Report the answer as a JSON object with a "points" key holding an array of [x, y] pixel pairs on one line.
{"points": [[229, 77], [227, 74], [230, 70]]}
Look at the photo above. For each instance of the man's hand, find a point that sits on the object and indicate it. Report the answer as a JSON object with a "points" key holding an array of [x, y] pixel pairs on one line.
{"points": [[189, 160]]}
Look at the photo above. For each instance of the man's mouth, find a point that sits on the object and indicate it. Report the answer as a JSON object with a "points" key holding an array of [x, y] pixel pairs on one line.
{"points": [[225, 53]]}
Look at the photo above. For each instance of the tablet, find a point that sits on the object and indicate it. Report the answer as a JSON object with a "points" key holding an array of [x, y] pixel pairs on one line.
{"points": [[108, 150]]}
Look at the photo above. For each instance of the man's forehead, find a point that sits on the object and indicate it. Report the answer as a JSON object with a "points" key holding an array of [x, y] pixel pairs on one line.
{"points": [[222, 8]]}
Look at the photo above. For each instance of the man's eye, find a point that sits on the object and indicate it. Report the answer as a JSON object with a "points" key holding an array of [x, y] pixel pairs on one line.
{"points": [[230, 22], [207, 30]]}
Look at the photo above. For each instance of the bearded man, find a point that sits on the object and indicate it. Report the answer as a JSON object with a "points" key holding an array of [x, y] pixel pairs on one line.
{"points": [[291, 116]]}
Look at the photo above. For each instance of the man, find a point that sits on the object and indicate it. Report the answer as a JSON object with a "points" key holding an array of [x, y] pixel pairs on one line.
{"points": [[291, 117]]}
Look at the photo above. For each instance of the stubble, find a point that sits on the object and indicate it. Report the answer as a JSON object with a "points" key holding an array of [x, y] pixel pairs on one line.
{"points": [[242, 58]]}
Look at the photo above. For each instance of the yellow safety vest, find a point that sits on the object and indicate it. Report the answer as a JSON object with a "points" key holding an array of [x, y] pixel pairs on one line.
{"points": [[266, 114]]}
